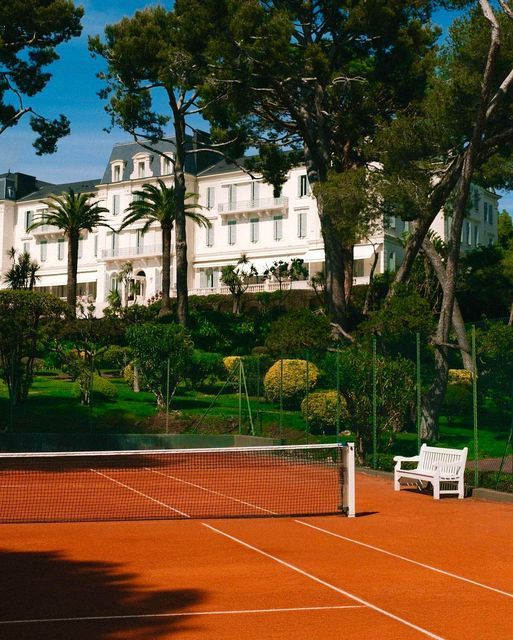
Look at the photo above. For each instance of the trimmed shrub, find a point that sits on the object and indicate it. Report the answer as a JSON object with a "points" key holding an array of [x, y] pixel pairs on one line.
{"points": [[128, 374], [293, 384], [230, 363], [461, 377], [102, 389], [322, 411], [205, 368], [298, 331], [115, 357]]}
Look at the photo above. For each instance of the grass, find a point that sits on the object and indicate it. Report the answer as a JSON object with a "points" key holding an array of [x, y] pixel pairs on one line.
{"points": [[51, 408]]}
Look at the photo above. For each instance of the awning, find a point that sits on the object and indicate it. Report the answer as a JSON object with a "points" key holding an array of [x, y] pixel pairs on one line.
{"points": [[314, 255], [260, 264], [363, 251]]}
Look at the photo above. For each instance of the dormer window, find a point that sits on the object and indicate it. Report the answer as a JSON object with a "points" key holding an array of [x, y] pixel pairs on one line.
{"points": [[166, 165], [141, 166], [117, 172]]}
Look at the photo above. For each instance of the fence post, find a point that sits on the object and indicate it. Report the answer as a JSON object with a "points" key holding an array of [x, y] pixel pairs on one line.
{"points": [[240, 395], [281, 396], [338, 395], [167, 396], [374, 406], [474, 407], [306, 398], [419, 389]]}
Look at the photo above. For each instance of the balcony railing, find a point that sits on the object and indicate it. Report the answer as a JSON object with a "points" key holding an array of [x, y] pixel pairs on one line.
{"points": [[267, 285], [259, 204], [45, 230], [132, 252]]}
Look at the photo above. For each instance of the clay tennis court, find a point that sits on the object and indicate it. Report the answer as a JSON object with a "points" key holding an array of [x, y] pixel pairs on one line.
{"points": [[406, 567]]}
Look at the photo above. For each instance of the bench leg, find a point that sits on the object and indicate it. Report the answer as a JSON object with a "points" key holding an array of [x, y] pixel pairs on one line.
{"points": [[461, 490], [436, 490], [397, 484]]}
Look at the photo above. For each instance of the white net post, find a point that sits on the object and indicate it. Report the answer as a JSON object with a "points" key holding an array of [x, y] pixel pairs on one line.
{"points": [[348, 480]]}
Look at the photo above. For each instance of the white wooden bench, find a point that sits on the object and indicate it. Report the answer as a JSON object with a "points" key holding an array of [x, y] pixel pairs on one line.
{"points": [[439, 466]]}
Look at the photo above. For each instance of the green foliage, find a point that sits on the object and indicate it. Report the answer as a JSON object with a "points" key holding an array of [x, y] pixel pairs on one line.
{"points": [[205, 368], [27, 319], [398, 321], [395, 392], [115, 357], [23, 271], [98, 388], [297, 332], [237, 278], [505, 229], [321, 409], [495, 362], [457, 401], [287, 380], [159, 349], [31, 30]]}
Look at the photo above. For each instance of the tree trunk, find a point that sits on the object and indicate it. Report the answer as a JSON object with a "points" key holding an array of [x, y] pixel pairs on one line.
{"points": [[369, 293], [180, 225], [71, 293], [457, 319], [334, 254], [166, 271]]}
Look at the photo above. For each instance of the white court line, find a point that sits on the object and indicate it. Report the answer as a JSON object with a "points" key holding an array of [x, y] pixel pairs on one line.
{"points": [[122, 484], [399, 557], [179, 615], [217, 493], [427, 633]]}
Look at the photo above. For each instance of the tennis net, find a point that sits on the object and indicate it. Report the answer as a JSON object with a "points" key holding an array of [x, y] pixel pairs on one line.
{"points": [[177, 483]]}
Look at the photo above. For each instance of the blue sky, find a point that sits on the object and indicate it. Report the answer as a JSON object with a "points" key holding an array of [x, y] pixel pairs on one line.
{"points": [[73, 91]]}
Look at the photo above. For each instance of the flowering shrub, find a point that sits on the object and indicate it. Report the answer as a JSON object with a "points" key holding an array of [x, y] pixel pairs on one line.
{"points": [[322, 411], [293, 384]]}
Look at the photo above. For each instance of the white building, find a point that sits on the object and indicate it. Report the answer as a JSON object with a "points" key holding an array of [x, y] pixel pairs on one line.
{"points": [[244, 215]]}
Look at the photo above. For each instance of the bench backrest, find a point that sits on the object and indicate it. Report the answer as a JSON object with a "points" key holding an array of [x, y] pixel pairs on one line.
{"points": [[449, 457]]}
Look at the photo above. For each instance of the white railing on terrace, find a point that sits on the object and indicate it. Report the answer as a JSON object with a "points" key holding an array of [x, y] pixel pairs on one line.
{"points": [[252, 288], [45, 229], [259, 204], [132, 252]]}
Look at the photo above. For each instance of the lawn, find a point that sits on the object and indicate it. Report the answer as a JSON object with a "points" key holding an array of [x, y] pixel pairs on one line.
{"points": [[51, 408]]}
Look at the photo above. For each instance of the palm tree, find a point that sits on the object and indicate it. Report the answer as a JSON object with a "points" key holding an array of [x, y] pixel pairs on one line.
{"points": [[157, 203], [73, 213], [23, 271]]}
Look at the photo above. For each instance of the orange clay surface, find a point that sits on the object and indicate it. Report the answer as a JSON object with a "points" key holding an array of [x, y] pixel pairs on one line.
{"points": [[407, 567]]}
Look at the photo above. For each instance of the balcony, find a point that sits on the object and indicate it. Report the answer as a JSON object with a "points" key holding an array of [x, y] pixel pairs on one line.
{"points": [[267, 285], [252, 206], [143, 251], [46, 230]]}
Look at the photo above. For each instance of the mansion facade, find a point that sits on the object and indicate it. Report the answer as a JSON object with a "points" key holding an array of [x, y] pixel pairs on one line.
{"points": [[245, 219]]}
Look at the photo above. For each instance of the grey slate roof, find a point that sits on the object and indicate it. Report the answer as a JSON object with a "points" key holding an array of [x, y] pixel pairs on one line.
{"points": [[47, 189]]}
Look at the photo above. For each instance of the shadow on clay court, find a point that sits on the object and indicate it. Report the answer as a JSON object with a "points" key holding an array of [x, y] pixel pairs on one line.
{"points": [[40, 586]]}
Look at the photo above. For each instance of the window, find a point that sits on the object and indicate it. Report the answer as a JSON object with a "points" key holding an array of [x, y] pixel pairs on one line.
{"points": [[477, 199], [113, 240], [115, 205], [211, 197], [406, 226], [29, 218], [209, 236], [116, 173], [80, 247], [391, 222], [167, 166], [96, 246], [490, 214], [139, 241], [26, 247], [278, 227], [60, 249], [254, 192], [391, 261], [476, 235], [42, 250], [469, 233], [114, 282], [141, 169], [232, 232], [447, 227], [302, 189], [11, 193], [232, 197], [253, 230], [301, 224]]}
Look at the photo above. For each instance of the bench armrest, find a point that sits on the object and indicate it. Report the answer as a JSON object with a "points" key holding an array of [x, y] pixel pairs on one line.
{"points": [[404, 459], [399, 459]]}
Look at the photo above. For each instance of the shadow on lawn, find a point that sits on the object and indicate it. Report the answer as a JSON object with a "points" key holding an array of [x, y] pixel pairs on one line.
{"points": [[40, 586]]}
